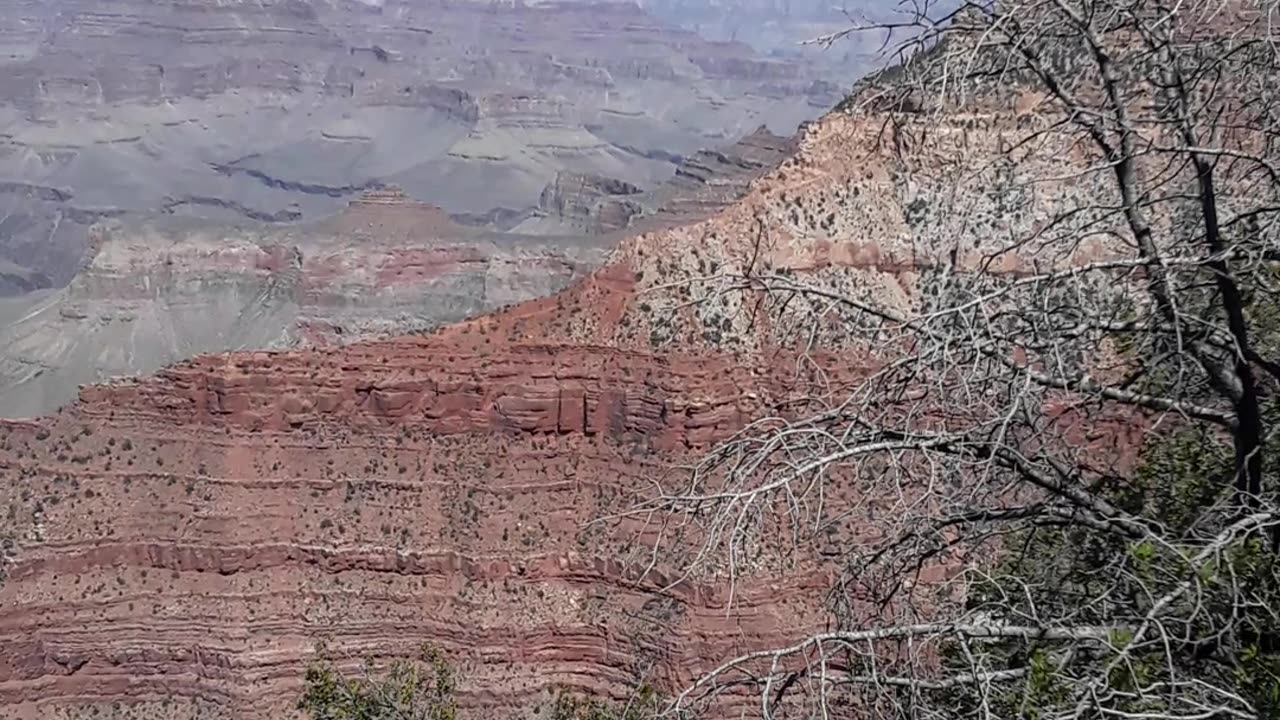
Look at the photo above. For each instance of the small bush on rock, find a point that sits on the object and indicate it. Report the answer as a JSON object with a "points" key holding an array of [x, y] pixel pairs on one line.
{"points": [[421, 689]]}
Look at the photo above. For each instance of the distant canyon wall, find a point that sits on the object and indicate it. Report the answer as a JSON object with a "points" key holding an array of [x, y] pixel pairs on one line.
{"points": [[282, 111], [161, 288]]}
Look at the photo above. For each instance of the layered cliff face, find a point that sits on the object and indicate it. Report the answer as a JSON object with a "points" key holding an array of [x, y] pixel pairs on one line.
{"points": [[162, 288], [180, 542], [281, 111], [176, 545], [704, 182]]}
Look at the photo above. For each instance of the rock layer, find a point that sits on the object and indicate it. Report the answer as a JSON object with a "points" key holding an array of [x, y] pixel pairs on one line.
{"points": [[283, 110], [180, 543], [184, 539], [163, 289]]}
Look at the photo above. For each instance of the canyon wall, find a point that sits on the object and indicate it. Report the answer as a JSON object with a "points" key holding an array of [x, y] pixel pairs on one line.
{"points": [[282, 111], [160, 288], [179, 543], [184, 541]]}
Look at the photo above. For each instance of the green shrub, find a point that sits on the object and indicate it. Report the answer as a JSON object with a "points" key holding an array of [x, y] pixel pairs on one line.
{"points": [[644, 705], [420, 689]]}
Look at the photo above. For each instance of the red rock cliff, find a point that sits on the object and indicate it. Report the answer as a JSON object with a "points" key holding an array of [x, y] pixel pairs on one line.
{"points": [[184, 540], [187, 538]]}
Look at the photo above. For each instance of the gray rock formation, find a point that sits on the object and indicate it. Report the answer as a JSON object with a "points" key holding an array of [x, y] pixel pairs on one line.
{"points": [[784, 28], [703, 182], [281, 110], [161, 288]]}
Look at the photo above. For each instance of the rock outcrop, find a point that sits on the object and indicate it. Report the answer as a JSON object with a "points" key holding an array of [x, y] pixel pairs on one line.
{"points": [[161, 289]]}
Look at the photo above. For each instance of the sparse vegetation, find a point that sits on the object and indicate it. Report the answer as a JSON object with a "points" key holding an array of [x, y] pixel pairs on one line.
{"points": [[644, 703], [418, 689], [1066, 441]]}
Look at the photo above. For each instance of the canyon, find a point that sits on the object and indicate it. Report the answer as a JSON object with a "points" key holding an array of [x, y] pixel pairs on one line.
{"points": [[178, 544], [407, 446], [160, 288], [784, 28], [283, 111]]}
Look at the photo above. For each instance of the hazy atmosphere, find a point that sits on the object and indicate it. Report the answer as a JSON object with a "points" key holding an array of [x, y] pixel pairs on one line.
{"points": [[639, 360]]}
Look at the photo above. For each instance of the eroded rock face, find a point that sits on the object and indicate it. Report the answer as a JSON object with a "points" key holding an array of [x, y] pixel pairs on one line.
{"points": [[189, 536], [184, 540], [162, 289], [281, 111], [703, 183], [181, 542]]}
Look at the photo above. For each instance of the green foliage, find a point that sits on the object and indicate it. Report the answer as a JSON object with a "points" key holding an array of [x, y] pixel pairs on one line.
{"points": [[1258, 678], [644, 705], [1223, 631], [409, 690], [1043, 689], [1178, 478]]}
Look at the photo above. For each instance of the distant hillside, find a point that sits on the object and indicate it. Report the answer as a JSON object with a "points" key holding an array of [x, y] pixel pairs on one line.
{"points": [[281, 111]]}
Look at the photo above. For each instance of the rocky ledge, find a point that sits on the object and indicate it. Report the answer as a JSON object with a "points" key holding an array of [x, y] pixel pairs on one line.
{"points": [[183, 541]]}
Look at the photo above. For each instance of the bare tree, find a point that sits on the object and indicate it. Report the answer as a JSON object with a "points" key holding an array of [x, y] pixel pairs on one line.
{"points": [[1051, 487]]}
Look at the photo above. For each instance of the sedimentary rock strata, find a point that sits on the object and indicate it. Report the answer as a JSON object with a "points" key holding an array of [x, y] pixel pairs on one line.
{"points": [[181, 541], [160, 289], [284, 110]]}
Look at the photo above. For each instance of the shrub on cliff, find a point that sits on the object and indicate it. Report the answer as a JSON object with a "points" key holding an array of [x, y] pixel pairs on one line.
{"points": [[643, 705], [1187, 620], [419, 689]]}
